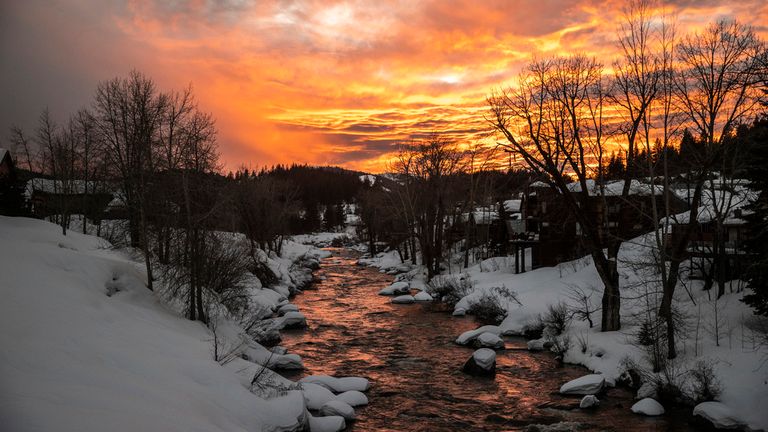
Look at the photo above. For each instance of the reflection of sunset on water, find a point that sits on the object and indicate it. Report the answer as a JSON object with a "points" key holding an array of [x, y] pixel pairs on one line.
{"points": [[409, 355]]}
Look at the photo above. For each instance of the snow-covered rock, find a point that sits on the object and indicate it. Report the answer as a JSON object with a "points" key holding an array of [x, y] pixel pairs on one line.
{"points": [[316, 395], [470, 335], [648, 407], [353, 398], [589, 401], [422, 296], [719, 414], [482, 363], [291, 320], [489, 340], [537, 345], [338, 385], [403, 299], [327, 424], [586, 385], [338, 408], [459, 312], [396, 288], [647, 390], [288, 307]]}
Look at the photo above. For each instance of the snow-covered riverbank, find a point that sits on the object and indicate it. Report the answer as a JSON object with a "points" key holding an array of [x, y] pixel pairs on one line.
{"points": [[88, 348], [715, 336]]}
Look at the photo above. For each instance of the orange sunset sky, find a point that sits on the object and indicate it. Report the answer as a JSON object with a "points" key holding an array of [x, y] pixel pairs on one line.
{"points": [[321, 82]]}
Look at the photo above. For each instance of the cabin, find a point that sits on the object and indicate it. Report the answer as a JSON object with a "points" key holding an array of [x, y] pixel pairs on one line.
{"points": [[721, 231], [11, 198], [48, 197], [555, 235]]}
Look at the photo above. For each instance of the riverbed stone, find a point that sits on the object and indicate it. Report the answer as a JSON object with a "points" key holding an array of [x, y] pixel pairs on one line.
{"points": [[338, 385], [353, 398], [327, 424], [293, 320], [422, 296], [288, 307], [482, 363]]}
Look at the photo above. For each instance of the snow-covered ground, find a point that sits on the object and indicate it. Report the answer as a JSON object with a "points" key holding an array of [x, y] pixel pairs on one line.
{"points": [[716, 335], [87, 347]]}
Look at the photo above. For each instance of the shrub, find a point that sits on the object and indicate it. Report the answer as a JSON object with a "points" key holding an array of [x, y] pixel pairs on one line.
{"points": [[705, 385], [557, 319], [488, 310], [450, 289]]}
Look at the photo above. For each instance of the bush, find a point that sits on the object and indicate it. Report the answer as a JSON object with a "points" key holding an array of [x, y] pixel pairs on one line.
{"points": [[534, 329], [557, 319], [705, 385], [450, 289], [488, 310]]}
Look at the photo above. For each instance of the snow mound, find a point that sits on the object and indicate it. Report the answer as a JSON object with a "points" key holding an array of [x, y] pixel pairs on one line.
{"points": [[338, 408], [288, 307], [718, 414], [338, 385], [396, 289], [291, 320], [648, 407], [403, 299], [586, 385]]}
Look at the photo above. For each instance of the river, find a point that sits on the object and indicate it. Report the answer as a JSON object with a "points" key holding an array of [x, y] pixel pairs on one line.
{"points": [[408, 353]]}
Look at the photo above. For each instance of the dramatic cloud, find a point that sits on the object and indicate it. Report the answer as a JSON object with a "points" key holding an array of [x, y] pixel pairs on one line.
{"points": [[338, 82]]}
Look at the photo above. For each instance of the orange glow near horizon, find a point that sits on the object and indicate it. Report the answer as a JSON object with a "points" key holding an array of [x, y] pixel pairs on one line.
{"points": [[342, 82]]}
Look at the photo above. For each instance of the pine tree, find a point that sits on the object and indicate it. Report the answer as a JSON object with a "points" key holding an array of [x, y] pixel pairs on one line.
{"points": [[757, 219]]}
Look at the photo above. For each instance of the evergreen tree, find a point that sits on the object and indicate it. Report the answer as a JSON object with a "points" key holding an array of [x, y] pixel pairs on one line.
{"points": [[756, 138]]}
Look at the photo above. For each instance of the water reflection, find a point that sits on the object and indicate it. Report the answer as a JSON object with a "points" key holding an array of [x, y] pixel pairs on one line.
{"points": [[407, 352]]}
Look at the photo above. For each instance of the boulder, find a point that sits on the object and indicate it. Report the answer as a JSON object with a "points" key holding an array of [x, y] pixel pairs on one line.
{"points": [[316, 395], [338, 408], [482, 363], [489, 340], [718, 414], [539, 345], [648, 407], [470, 335], [396, 288], [403, 299], [586, 385], [589, 401]]}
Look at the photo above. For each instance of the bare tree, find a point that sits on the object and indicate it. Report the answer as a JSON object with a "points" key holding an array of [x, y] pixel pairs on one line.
{"points": [[554, 120]]}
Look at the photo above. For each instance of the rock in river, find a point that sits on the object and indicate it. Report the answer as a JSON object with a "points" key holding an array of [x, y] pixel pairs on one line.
{"points": [[586, 385], [482, 363]]}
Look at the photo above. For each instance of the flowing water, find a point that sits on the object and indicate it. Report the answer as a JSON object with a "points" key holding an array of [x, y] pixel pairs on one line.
{"points": [[408, 354]]}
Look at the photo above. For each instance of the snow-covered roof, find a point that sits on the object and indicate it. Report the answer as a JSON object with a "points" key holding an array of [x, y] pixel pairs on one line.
{"points": [[3, 152], [370, 178], [513, 205], [71, 186], [729, 205], [615, 188]]}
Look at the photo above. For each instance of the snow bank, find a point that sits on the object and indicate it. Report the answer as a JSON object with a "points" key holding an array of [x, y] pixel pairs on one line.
{"points": [[79, 360], [720, 415]]}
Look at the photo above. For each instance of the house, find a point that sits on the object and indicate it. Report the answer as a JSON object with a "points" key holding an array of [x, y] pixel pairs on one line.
{"points": [[7, 169], [48, 197], [11, 195], [721, 231], [555, 233]]}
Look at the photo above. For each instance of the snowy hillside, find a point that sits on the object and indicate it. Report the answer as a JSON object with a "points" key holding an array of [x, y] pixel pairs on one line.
{"points": [[77, 359]]}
